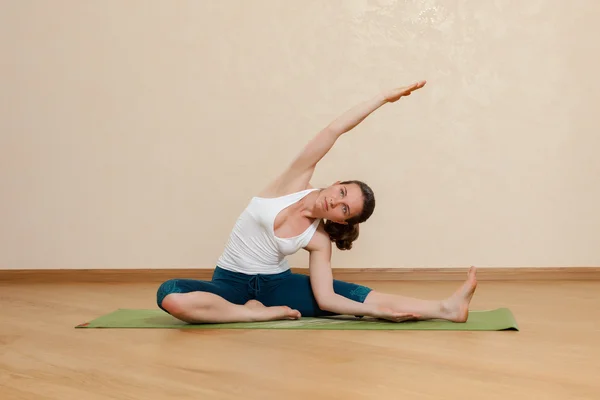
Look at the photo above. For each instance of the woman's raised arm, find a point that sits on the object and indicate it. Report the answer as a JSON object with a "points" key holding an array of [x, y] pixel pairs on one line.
{"points": [[298, 174], [316, 149]]}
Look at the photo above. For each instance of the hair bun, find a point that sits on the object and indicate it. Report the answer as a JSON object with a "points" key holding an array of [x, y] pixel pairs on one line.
{"points": [[343, 244], [342, 234]]}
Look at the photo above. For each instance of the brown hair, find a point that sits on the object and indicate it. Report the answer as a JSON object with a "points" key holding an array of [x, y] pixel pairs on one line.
{"points": [[344, 234]]}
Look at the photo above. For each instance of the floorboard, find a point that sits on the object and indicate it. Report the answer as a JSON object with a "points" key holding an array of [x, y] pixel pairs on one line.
{"points": [[554, 355]]}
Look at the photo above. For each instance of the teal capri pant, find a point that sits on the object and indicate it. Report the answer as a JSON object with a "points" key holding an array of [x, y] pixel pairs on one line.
{"points": [[281, 289]]}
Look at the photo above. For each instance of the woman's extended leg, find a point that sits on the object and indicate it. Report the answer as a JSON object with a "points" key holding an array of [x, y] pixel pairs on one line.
{"points": [[294, 290], [224, 299], [454, 308]]}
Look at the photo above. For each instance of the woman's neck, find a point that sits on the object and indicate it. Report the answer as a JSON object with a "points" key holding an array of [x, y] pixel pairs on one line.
{"points": [[307, 205]]}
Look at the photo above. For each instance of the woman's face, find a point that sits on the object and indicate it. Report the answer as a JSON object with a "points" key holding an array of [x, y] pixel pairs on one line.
{"points": [[340, 202]]}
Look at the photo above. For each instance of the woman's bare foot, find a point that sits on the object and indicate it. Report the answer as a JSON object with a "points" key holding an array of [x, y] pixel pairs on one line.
{"points": [[456, 307], [263, 313]]}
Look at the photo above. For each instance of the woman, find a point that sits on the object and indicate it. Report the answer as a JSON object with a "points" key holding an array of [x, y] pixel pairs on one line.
{"points": [[252, 280]]}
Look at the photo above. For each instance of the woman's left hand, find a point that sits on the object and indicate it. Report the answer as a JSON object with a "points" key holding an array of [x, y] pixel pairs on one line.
{"points": [[393, 95], [394, 316]]}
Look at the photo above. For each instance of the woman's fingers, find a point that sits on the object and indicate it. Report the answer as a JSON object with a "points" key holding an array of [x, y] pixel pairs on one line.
{"points": [[395, 94], [409, 317], [416, 86], [399, 317]]}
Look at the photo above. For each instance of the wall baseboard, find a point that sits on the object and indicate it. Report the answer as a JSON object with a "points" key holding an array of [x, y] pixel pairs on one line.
{"points": [[345, 274]]}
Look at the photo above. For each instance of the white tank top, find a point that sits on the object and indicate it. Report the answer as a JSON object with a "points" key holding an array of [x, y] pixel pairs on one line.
{"points": [[253, 247]]}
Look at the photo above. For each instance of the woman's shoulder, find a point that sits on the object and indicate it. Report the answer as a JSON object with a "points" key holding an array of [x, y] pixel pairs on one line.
{"points": [[320, 240]]}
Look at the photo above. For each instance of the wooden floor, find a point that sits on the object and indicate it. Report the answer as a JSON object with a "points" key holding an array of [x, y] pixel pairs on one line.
{"points": [[554, 356]]}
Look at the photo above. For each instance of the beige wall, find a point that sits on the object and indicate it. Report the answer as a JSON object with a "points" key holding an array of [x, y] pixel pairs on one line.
{"points": [[133, 132]]}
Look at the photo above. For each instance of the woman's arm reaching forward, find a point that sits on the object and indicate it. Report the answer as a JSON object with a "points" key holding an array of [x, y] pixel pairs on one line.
{"points": [[321, 281]]}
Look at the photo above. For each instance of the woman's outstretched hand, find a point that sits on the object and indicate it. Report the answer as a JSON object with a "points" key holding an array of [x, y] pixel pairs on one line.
{"points": [[393, 95], [394, 316]]}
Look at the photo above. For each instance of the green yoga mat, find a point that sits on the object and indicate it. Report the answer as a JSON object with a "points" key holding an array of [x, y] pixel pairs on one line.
{"points": [[489, 320]]}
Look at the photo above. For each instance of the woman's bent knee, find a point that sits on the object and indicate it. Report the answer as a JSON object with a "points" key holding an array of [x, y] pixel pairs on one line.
{"points": [[165, 290], [173, 304]]}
